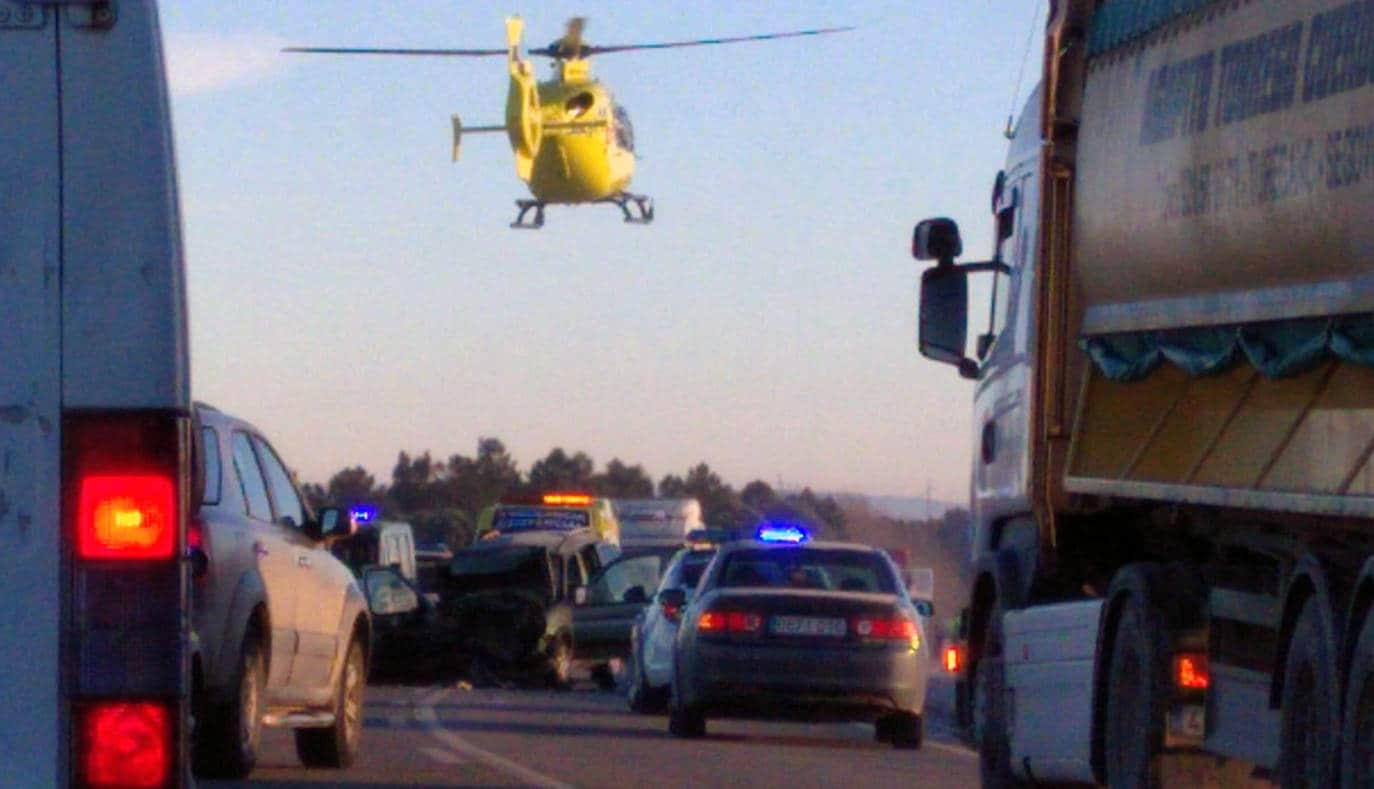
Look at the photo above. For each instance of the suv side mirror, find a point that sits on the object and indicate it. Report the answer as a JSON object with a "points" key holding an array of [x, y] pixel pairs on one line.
{"points": [[332, 524], [673, 601], [924, 607], [388, 592]]}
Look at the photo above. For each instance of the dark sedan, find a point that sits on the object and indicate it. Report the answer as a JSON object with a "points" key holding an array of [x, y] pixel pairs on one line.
{"points": [[786, 628]]}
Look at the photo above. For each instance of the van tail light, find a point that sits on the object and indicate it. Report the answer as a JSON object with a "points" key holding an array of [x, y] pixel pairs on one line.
{"points": [[1190, 671], [125, 480], [125, 744]]}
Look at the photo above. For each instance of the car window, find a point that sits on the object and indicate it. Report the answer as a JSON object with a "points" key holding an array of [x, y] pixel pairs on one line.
{"points": [[287, 503], [209, 443], [692, 568], [250, 479], [809, 568], [619, 577]]}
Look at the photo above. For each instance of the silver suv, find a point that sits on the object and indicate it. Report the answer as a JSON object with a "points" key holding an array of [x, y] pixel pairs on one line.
{"points": [[281, 631]]}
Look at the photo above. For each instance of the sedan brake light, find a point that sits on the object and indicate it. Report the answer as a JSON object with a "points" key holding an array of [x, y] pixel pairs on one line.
{"points": [[718, 621], [895, 628]]}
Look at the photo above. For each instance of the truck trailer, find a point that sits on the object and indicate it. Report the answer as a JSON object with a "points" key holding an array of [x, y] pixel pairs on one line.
{"points": [[1172, 487]]}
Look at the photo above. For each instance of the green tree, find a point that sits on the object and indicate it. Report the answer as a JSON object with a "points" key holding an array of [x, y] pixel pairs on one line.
{"points": [[561, 471], [413, 485], [623, 481], [353, 486]]}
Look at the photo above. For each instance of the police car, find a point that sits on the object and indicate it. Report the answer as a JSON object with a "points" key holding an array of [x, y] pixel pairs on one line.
{"points": [[786, 627]]}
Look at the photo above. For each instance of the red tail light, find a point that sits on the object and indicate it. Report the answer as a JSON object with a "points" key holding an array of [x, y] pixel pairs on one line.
{"points": [[729, 622], [126, 516], [953, 659], [672, 613], [897, 628], [126, 744], [711, 622], [1190, 671]]}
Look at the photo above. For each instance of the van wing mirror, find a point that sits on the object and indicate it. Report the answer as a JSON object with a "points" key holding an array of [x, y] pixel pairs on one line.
{"points": [[335, 523]]}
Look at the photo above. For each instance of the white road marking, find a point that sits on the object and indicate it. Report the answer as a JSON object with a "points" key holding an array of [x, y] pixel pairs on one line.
{"points": [[426, 715], [442, 756]]}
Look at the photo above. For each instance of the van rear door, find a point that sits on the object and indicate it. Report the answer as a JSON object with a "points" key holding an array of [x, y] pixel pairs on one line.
{"points": [[94, 400]]}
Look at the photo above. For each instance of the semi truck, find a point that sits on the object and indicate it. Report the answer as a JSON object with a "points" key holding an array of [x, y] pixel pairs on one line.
{"points": [[1173, 416]]}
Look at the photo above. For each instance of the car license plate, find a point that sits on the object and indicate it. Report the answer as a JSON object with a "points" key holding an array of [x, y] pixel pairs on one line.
{"points": [[806, 626]]}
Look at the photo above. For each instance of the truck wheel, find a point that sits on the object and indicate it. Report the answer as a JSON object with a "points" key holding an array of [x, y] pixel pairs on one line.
{"points": [[603, 676], [226, 737], [989, 709], [1137, 693], [686, 722], [337, 746], [1310, 715], [1357, 750]]}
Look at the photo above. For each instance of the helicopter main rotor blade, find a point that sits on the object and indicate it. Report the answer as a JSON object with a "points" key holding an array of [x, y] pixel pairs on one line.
{"points": [[585, 51], [462, 53]]}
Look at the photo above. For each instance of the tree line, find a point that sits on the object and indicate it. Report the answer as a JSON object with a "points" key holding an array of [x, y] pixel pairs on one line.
{"points": [[442, 498]]}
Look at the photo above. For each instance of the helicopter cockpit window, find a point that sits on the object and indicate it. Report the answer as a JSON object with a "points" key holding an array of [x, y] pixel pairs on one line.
{"points": [[624, 130], [578, 105]]}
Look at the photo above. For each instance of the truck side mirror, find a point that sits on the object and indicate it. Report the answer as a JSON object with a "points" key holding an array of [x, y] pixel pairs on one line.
{"points": [[937, 239], [944, 317]]}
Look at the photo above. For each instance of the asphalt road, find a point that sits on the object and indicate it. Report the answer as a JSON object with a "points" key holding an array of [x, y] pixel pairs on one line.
{"points": [[454, 735]]}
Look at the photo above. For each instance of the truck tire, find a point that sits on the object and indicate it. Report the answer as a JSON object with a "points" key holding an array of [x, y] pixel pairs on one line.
{"points": [[1137, 695], [990, 725], [1357, 749], [227, 736], [1308, 744], [337, 745]]}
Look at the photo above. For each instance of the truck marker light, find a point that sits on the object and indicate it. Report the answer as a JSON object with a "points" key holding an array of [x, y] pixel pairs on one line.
{"points": [[126, 744], [1190, 671], [953, 659], [126, 517]]}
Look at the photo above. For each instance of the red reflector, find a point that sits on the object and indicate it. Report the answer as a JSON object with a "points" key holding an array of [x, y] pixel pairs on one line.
{"points": [[126, 517], [1190, 671], [126, 744], [953, 659]]}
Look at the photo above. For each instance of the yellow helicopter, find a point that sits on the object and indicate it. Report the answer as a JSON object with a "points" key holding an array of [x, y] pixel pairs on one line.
{"points": [[573, 143]]}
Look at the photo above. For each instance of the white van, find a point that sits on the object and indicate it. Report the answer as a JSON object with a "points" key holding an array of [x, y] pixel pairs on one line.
{"points": [[95, 407]]}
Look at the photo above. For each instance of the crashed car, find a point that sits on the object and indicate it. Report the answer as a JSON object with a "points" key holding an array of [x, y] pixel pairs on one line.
{"points": [[510, 598]]}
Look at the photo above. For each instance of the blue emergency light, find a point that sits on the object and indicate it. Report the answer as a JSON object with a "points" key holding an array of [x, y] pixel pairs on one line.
{"points": [[363, 513], [782, 532]]}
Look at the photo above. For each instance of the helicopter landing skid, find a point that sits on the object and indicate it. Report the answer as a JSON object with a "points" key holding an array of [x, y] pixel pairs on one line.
{"points": [[644, 207], [525, 207]]}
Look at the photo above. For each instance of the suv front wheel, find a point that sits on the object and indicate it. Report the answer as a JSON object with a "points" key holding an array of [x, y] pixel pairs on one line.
{"points": [[337, 745]]}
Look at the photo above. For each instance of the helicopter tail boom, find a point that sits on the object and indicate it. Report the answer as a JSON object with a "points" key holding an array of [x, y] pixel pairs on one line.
{"points": [[459, 130]]}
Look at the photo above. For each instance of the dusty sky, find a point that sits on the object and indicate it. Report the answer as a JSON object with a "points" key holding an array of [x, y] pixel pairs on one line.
{"points": [[354, 294]]}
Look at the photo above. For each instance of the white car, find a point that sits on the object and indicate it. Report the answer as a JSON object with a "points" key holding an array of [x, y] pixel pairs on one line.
{"points": [[655, 630]]}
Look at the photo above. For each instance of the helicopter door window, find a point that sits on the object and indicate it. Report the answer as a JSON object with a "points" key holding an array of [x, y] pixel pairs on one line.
{"points": [[624, 130], [579, 105]]}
